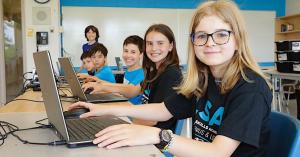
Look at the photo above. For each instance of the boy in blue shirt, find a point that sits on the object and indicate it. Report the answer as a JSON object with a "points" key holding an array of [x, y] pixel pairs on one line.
{"points": [[133, 48], [102, 71]]}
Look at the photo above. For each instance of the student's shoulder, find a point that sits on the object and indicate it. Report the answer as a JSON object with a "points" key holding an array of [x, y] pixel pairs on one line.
{"points": [[106, 69], [172, 69], [253, 83], [85, 45], [136, 71]]}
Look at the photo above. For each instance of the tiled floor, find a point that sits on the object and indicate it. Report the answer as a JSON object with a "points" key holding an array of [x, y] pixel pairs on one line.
{"points": [[291, 108]]}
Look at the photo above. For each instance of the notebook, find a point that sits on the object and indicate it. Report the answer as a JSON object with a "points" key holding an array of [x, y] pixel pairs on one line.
{"points": [[76, 89], [77, 132]]}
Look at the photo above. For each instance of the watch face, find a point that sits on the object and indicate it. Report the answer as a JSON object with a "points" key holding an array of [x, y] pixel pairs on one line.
{"points": [[42, 1], [166, 136]]}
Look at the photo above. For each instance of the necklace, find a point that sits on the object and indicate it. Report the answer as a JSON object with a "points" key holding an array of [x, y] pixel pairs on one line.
{"points": [[218, 82]]}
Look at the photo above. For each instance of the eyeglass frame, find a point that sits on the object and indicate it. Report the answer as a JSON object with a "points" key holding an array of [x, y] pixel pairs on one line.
{"points": [[192, 35]]}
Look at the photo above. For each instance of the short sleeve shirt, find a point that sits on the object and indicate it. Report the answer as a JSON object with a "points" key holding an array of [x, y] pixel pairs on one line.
{"points": [[241, 114], [162, 88]]}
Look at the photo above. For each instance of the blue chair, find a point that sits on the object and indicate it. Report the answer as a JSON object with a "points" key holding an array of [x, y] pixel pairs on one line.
{"points": [[178, 130], [285, 136]]}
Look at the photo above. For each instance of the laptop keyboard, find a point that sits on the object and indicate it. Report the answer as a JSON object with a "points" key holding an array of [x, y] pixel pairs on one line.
{"points": [[85, 129], [105, 97]]}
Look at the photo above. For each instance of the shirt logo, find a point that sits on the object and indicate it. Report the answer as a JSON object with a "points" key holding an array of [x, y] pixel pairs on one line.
{"points": [[207, 115]]}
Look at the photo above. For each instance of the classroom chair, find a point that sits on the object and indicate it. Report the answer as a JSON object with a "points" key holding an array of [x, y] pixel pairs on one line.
{"points": [[285, 136], [178, 130]]}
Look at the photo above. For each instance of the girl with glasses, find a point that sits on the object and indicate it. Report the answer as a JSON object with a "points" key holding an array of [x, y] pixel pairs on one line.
{"points": [[224, 92]]}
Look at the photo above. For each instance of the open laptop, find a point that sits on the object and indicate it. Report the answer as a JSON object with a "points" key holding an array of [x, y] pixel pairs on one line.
{"points": [[76, 89], [68, 129]]}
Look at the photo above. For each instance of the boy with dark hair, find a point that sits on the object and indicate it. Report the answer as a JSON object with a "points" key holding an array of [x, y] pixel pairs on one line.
{"points": [[88, 63], [102, 71]]}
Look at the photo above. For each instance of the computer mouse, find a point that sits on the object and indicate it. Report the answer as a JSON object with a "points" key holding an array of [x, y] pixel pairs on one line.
{"points": [[75, 113], [88, 91]]}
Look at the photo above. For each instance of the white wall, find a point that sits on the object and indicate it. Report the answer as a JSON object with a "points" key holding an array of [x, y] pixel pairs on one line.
{"points": [[292, 7], [261, 34], [261, 30], [115, 24], [29, 45], [2, 64]]}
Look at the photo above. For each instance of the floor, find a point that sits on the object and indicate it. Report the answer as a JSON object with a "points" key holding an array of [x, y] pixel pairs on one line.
{"points": [[291, 108]]}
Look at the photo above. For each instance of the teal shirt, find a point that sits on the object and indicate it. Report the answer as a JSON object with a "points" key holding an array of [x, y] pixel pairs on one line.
{"points": [[105, 74], [134, 77]]}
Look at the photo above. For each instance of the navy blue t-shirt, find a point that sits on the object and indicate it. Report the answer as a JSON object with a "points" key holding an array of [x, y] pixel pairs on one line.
{"points": [[86, 47]]}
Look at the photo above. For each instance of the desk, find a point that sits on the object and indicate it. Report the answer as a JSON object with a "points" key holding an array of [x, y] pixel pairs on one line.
{"points": [[28, 106], [25, 106], [277, 89], [13, 147], [25, 113]]}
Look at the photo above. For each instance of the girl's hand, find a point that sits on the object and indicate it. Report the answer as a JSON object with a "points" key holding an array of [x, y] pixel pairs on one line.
{"points": [[95, 110], [126, 135]]}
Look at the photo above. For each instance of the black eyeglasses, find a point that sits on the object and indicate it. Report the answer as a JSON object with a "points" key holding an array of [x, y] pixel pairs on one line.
{"points": [[220, 37]]}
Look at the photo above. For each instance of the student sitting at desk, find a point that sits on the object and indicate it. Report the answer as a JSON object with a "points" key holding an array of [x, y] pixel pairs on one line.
{"points": [[133, 49], [102, 71], [91, 34], [162, 72], [224, 92]]}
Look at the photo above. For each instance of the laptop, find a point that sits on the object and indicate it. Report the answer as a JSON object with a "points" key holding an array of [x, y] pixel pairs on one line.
{"points": [[76, 89], [77, 132]]}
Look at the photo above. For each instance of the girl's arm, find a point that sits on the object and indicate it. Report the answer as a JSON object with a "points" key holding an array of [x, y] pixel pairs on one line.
{"points": [[154, 112], [131, 135], [221, 146]]}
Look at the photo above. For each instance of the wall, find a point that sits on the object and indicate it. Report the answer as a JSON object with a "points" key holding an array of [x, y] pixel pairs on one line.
{"points": [[267, 5], [292, 7], [115, 24], [30, 29], [2, 64], [55, 5]]}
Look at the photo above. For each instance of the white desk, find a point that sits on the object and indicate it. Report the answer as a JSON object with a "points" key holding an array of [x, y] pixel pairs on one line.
{"points": [[277, 89], [14, 148]]}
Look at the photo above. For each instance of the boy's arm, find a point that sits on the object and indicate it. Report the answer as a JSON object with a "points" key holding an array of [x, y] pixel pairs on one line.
{"points": [[82, 76], [127, 90]]}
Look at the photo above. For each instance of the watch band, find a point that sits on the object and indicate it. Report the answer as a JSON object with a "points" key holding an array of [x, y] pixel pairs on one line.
{"points": [[164, 143]]}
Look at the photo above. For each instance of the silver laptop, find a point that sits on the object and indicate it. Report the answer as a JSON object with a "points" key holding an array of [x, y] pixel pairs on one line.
{"points": [[76, 131], [76, 89]]}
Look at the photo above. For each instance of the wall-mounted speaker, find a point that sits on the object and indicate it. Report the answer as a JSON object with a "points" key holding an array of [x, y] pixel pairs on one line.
{"points": [[41, 16]]}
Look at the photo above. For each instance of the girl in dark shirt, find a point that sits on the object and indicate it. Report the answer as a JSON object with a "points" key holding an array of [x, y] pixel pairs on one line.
{"points": [[224, 92], [161, 69]]}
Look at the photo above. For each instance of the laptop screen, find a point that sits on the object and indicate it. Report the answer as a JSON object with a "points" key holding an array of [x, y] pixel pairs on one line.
{"points": [[50, 93], [71, 78]]}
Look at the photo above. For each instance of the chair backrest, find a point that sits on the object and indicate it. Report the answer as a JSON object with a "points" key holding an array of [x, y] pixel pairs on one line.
{"points": [[285, 136], [179, 126]]}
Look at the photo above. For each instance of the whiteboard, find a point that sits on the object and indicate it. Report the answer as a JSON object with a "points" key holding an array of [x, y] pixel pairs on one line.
{"points": [[115, 24]]}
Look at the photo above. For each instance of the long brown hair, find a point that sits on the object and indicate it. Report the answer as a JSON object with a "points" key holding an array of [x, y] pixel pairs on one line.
{"points": [[196, 79], [150, 71]]}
